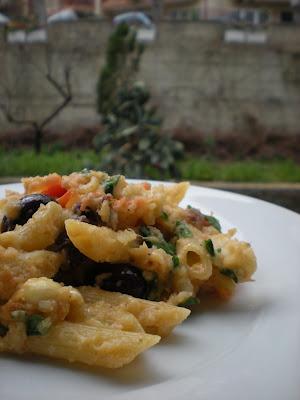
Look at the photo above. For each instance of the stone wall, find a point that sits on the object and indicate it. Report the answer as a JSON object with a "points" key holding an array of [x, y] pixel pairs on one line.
{"points": [[200, 83]]}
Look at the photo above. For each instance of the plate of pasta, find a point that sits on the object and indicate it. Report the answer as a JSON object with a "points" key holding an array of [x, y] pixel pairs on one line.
{"points": [[128, 288]]}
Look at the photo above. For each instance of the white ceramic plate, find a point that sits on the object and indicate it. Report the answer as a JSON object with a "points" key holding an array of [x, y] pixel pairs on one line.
{"points": [[247, 349]]}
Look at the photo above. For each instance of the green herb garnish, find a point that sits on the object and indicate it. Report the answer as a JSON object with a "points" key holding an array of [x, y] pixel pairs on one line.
{"points": [[175, 260], [36, 325], [230, 274], [3, 330], [153, 237], [110, 184], [189, 302], [169, 248], [144, 231], [209, 247], [164, 216], [182, 230], [214, 222]]}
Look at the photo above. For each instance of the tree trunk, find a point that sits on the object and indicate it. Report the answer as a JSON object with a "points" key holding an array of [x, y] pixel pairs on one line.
{"points": [[38, 137]]}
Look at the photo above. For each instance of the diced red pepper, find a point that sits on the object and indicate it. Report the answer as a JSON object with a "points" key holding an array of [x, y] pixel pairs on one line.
{"points": [[53, 187], [64, 199], [54, 191]]}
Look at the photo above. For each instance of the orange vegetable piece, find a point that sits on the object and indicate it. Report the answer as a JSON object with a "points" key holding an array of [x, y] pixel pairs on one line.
{"points": [[64, 199], [54, 191], [51, 185], [69, 199]]}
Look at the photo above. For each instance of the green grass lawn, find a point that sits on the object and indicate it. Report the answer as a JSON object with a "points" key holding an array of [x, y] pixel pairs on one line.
{"points": [[26, 163]]}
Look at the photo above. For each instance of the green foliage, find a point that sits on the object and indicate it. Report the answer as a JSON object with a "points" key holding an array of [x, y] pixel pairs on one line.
{"points": [[24, 162], [122, 59], [199, 169], [131, 141]]}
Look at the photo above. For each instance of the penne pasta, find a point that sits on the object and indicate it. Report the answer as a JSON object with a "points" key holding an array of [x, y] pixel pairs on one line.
{"points": [[155, 260], [17, 266], [77, 342], [39, 232], [193, 254], [155, 317], [175, 193], [83, 256], [101, 244], [101, 313]]}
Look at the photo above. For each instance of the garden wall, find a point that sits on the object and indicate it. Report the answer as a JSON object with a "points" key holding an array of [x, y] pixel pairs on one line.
{"points": [[200, 83]]}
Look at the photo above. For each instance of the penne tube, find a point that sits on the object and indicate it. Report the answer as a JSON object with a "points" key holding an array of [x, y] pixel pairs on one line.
{"points": [[157, 318], [101, 313], [192, 254], [17, 266], [39, 232], [153, 260], [101, 244], [97, 346], [175, 193]]}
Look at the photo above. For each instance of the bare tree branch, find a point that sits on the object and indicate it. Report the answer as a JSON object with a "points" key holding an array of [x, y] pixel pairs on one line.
{"points": [[68, 80], [63, 89], [12, 119], [67, 95], [56, 85], [56, 111]]}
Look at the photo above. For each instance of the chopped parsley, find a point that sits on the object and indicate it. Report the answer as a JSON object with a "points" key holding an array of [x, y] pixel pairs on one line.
{"points": [[214, 222], [164, 216], [36, 325], [3, 330], [230, 274], [209, 246], [169, 248], [110, 184], [153, 237], [189, 302], [182, 230], [175, 260], [145, 231]]}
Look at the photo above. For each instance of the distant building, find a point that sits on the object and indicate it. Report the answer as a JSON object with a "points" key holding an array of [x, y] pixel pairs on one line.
{"points": [[14, 8], [248, 11], [17, 8], [85, 6]]}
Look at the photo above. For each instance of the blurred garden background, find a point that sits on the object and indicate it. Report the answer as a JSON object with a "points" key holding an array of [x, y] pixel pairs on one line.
{"points": [[200, 90]]}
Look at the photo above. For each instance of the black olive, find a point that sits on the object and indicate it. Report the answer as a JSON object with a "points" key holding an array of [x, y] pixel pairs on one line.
{"points": [[60, 243], [29, 205], [91, 216], [124, 279], [79, 270], [88, 215], [7, 224]]}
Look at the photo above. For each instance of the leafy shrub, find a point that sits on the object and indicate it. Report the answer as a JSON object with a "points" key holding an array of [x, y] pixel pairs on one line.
{"points": [[131, 142]]}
